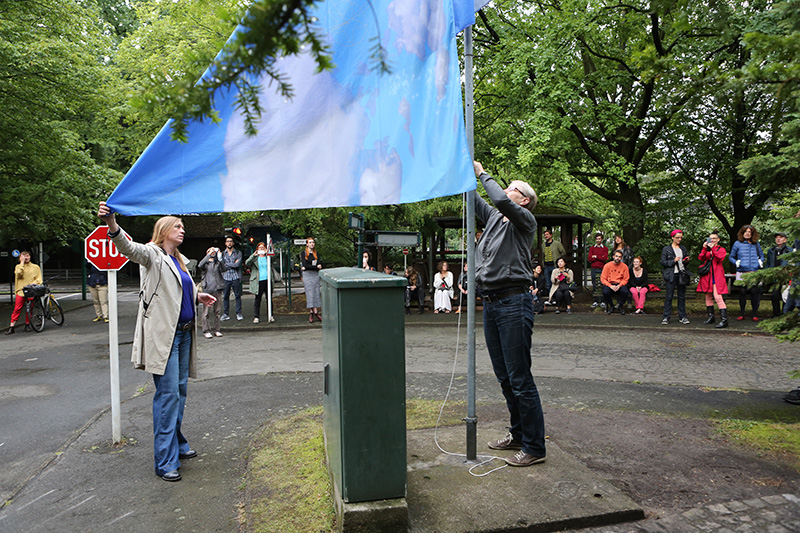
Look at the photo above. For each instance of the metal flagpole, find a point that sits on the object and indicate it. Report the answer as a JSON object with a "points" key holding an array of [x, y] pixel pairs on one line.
{"points": [[472, 419]]}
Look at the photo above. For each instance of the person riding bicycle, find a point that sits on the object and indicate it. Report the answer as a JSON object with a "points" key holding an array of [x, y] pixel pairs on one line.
{"points": [[25, 273]]}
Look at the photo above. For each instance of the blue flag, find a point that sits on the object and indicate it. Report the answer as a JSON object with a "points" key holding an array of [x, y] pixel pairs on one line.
{"points": [[350, 136]]}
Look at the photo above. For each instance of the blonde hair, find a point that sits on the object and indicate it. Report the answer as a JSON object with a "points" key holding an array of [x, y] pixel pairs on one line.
{"points": [[160, 231]]}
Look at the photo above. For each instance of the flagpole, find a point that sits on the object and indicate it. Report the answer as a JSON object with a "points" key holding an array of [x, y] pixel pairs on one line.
{"points": [[471, 419]]}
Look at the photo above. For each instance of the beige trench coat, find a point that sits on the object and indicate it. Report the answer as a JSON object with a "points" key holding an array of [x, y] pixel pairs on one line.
{"points": [[160, 285]]}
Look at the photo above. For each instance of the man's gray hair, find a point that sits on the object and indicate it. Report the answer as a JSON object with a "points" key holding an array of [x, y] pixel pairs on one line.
{"points": [[528, 191]]}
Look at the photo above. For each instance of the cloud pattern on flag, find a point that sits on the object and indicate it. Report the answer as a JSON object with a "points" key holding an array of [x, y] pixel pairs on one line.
{"points": [[349, 136]]}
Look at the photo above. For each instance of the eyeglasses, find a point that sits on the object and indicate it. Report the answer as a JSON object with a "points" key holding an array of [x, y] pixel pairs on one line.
{"points": [[515, 189]]}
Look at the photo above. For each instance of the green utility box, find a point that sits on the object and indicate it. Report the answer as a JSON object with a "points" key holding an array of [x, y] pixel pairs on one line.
{"points": [[363, 345]]}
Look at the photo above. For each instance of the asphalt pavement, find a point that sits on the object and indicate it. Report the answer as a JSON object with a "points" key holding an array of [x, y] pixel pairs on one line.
{"points": [[63, 474]]}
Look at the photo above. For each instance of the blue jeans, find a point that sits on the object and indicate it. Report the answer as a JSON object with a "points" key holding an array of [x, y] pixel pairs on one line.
{"points": [[507, 327], [548, 271], [670, 291], [168, 402], [236, 285]]}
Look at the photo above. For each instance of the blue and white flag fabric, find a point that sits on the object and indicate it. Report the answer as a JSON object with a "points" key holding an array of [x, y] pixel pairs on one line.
{"points": [[350, 136]]}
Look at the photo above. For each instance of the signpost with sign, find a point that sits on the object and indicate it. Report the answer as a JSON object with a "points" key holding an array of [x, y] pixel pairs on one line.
{"points": [[101, 252], [270, 255]]}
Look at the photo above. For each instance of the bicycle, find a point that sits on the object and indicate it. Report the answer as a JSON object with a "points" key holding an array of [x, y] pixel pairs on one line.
{"points": [[41, 305]]}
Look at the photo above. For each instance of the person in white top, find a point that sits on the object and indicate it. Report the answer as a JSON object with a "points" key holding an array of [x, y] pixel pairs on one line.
{"points": [[443, 289]]}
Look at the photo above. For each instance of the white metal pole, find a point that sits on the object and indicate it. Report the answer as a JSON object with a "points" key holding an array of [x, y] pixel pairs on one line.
{"points": [[113, 343], [472, 419], [269, 279]]}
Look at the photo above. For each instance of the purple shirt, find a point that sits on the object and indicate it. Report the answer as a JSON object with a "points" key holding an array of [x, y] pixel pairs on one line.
{"points": [[187, 301]]}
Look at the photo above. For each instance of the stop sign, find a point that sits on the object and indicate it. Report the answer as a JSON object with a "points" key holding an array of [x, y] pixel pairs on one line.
{"points": [[405, 251], [101, 252]]}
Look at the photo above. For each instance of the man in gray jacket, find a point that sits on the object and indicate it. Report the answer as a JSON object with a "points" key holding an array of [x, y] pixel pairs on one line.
{"points": [[503, 274], [212, 267]]}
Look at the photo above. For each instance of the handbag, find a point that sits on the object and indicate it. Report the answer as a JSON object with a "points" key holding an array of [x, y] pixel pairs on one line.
{"points": [[684, 278], [653, 288], [33, 290], [704, 268]]}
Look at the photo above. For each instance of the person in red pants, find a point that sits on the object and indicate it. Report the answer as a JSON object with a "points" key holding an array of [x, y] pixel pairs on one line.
{"points": [[25, 273]]}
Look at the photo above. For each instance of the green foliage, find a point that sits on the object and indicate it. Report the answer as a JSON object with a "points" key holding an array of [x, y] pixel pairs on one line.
{"points": [[50, 70], [588, 91], [170, 41], [775, 47]]}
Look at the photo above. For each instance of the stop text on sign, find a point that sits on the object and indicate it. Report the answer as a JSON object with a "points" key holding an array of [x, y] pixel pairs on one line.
{"points": [[101, 252]]}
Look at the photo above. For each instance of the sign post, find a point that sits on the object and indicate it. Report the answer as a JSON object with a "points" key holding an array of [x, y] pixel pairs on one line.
{"points": [[103, 254], [270, 255]]}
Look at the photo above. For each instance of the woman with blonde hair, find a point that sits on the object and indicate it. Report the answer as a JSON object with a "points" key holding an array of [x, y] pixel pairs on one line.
{"points": [[637, 284], [443, 289], [164, 338], [310, 267]]}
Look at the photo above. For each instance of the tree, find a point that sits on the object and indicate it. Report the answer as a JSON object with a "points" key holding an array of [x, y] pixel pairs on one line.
{"points": [[50, 72], [774, 63], [585, 89], [167, 41], [735, 119]]}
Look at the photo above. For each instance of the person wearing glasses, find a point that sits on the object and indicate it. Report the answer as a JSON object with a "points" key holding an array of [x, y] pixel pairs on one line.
{"points": [[747, 255], [503, 276], [164, 338]]}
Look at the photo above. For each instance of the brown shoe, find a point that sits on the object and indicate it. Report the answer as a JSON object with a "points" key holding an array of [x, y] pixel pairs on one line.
{"points": [[10, 330], [523, 459], [506, 443]]}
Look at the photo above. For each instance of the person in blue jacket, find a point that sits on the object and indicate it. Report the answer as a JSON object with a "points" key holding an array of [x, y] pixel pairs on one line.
{"points": [[748, 256]]}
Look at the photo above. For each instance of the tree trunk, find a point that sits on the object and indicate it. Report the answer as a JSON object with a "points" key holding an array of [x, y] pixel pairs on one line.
{"points": [[632, 213]]}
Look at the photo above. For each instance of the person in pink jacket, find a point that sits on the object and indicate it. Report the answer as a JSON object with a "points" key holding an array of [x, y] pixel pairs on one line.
{"points": [[714, 284]]}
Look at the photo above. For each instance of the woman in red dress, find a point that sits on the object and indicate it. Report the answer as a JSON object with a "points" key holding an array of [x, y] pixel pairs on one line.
{"points": [[714, 284]]}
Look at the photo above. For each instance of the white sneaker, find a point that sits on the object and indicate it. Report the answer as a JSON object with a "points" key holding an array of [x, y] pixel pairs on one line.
{"points": [[239, 317], [603, 305], [595, 304], [255, 321], [224, 317], [218, 333], [272, 319], [207, 335]]}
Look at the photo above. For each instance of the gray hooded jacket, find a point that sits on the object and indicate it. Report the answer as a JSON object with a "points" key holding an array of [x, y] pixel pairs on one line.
{"points": [[503, 258]]}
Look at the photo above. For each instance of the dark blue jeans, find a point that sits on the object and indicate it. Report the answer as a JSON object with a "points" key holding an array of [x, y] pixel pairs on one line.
{"points": [[669, 287], [622, 296], [237, 293], [168, 403], [507, 327], [548, 271]]}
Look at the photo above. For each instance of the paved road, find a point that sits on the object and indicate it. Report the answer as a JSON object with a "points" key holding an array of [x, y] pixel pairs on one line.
{"points": [[53, 384]]}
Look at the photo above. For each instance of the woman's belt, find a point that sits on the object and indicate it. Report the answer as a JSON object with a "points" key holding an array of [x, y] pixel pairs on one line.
{"points": [[186, 326]]}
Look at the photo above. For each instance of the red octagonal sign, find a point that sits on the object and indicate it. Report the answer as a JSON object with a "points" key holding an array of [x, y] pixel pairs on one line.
{"points": [[102, 252]]}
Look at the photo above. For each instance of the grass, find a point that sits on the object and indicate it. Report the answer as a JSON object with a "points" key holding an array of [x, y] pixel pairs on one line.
{"points": [[287, 487], [770, 438]]}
